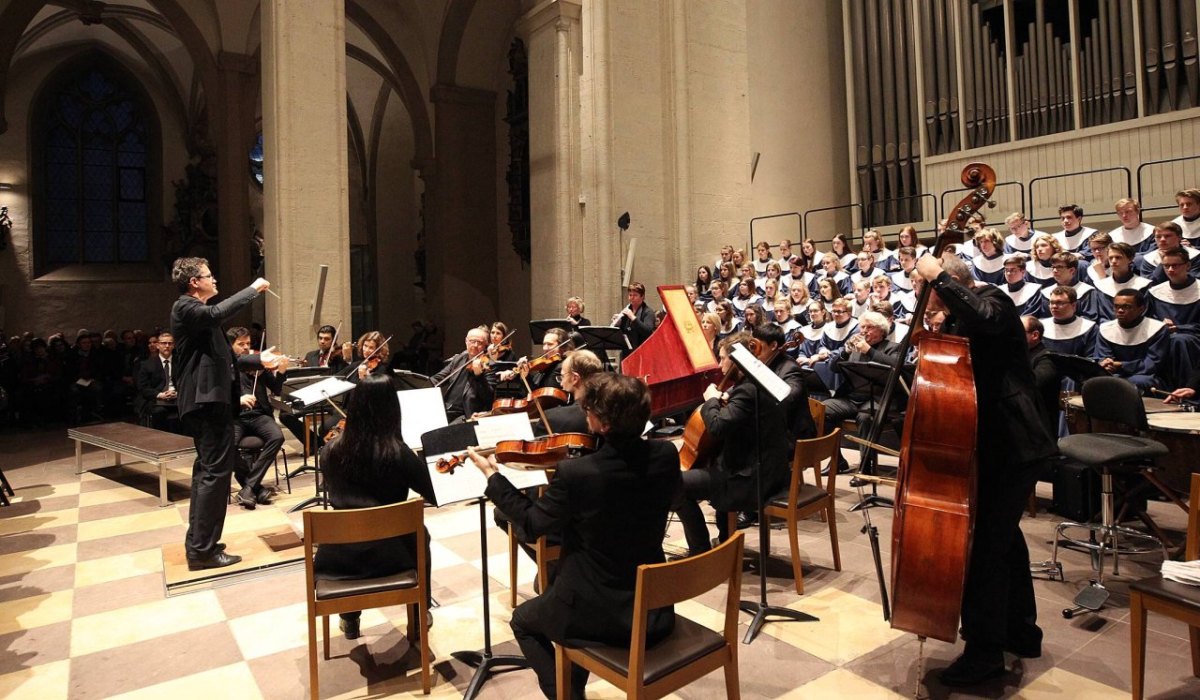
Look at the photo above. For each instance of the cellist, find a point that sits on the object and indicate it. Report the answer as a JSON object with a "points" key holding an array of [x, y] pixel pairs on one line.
{"points": [[729, 479], [998, 610]]}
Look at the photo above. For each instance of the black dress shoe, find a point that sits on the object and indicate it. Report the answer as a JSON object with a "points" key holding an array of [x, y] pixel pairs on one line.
{"points": [[843, 467], [745, 520], [246, 499], [971, 669], [350, 628], [216, 561], [263, 498], [1027, 646]]}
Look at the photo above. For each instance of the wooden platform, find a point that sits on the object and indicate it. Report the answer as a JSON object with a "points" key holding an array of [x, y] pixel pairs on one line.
{"points": [[143, 444], [262, 551]]}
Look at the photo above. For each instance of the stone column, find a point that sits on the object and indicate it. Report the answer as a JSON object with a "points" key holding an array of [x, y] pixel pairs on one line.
{"points": [[460, 238], [233, 118], [551, 32], [306, 217]]}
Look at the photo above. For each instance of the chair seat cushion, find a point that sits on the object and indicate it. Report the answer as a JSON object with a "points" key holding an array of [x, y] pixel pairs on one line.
{"points": [[1159, 587], [809, 494], [250, 442], [327, 589], [688, 642], [1095, 449]]}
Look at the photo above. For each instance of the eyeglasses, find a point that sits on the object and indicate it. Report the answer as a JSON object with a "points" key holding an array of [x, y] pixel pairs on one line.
{"points": [[1124, 307], [841, 311], [1061, 303], [1060, 267], [1172, 266], [203, 277]]}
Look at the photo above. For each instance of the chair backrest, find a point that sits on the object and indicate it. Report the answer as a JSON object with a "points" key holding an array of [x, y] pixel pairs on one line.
{"points": [[363, 524], [1192, 548], [1114, 400], [817, 409], [810, 453], [660, 585]]}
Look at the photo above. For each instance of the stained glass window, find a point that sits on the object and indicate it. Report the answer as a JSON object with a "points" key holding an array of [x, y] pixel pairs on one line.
{"points": [[94, 155]]}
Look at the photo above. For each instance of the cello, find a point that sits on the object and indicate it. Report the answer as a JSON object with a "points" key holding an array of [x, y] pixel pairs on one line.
{"points": [[935, 490]]}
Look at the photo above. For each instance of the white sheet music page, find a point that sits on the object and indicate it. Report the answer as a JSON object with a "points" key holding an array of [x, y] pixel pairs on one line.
{"points": [[326, 388], [421, 410], [514, 426]]}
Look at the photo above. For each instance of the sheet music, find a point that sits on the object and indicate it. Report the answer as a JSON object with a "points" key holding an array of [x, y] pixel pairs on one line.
{"points": [[493, 429], [467, 482], [761, 374], [326, 388], [421, 410]]}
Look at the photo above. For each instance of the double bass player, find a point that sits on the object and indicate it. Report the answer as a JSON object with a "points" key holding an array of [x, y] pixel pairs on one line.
{"points": [[998, 610]]}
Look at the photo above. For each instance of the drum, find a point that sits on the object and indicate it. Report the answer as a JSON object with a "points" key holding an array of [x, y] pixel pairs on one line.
{"points": [[1077, 420], [1180, 432]]}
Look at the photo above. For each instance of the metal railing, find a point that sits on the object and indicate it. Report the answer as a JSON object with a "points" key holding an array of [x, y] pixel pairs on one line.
{"points": [[1143, 166], [1029, 215]]}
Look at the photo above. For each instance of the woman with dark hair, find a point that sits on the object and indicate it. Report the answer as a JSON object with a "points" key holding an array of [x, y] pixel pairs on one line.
{"points": [[368, 466], [703, 280], [840, 247]]}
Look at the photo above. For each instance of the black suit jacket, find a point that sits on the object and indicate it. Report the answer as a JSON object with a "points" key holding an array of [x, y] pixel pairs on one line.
{"points": [[335, 361], [564, 419], [467, 393], [1012, 425], [611, 510], [639, 328], [203, 362], [151, 381], [799, 418], [734, 486], [1048, 383]]}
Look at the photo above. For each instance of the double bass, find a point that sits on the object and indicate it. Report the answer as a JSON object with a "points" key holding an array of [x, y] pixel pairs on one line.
{"points": [[935, 491]]}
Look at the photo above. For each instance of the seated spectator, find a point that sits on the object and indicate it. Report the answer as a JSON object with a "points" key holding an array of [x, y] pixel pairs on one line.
{"points": [[1074, 235], [1189, 214], [85, 376], [1132, 231], [1167, 235], [156, 387], [1176, 303], [1132, 346], [1121, 275]]}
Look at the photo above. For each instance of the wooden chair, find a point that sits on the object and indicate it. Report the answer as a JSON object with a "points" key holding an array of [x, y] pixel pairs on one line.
{"points": [[817, 409], [543, 554], [1178, 600], [691, 651], [804, 500], [409, 588]]}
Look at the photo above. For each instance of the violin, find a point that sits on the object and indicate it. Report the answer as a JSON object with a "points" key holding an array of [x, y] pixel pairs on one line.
{"points": [[336, 431], [549, 397], [546, 451], [544, 363], [447, 466]]}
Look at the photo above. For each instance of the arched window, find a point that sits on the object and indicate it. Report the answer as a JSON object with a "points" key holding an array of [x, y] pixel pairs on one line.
{"points": [[93, 141]]}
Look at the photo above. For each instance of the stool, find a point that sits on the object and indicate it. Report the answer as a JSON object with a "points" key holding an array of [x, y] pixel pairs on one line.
{"points": [[251, 445], [1116, 401]]}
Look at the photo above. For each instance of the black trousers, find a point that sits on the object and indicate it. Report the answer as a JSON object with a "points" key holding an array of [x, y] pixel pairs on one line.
{"points": [[697, 486], [998, 607], [529, 626], [265, 428], [211, 428]]}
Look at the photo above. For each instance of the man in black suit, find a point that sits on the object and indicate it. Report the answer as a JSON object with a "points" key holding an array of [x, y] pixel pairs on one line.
{"points": [[729, 479], [466, 390], [325, 355], [610, 508], [155, 390], [205, 381], [1046, 378], [636, 320], [998, 610], [255, 417]]}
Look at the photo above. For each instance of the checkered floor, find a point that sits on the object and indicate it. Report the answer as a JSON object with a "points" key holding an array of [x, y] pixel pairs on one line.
{"points": [[83, 612]]}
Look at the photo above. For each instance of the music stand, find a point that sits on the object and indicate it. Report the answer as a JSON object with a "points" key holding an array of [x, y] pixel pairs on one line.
{"points": [[456, 438], [776, 390], [537, 329], [1078, 369], [813, 383], [295, 379], [867, 378], [301, 372], [601, 339], [404, 380]]}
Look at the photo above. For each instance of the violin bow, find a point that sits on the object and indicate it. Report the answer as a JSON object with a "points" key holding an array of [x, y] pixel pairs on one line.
{"points": [[538, 405], [332, 344], [262, 342]]}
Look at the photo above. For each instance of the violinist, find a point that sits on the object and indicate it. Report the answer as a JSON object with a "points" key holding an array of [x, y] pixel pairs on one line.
{"points": [[466, 385], [998, 610], [498, 350], [544, 371], [371, 356], [576, 367], [255, 417], [324, 356], [575, 312], [604, 538], [636, 319], [369, 465], [729, 480]]}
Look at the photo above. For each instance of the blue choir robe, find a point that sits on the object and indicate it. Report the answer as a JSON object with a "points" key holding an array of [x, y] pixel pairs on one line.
{"points": [[1107, 288], [1085, 302], [857, 309], [1182, 307], [1191, 229], [887, 260], [841, 279], [1039, 272], [1076, 241], [1149, 265], [857, 276], [1025, 296], [990, 270], [1012, 244], [1142, 350], [1076, 336], [1141, 237], [900, 282], [833, 339], [848, 261]]}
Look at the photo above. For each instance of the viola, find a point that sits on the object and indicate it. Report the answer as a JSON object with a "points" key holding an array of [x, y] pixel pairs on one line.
{"points": [[549, 397], [447, 466], [544, 363], [544, 452]]}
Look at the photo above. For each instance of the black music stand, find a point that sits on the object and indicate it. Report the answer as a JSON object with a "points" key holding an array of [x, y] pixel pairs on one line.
{"points": [[813, 383], [299, 378], [537, 329], [601, 339], [301, 372], [867, 378], [1077, 368], [456, 438], [405, 380], [767, 382]]}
